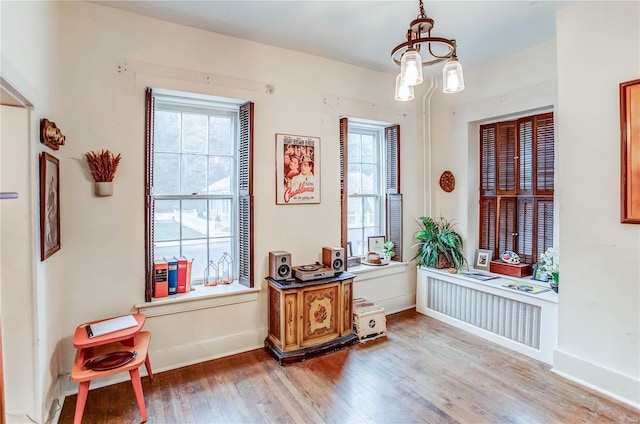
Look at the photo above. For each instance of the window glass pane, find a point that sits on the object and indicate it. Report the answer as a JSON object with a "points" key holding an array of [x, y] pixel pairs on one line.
{"points": [[369, 151], [369, 179], [194, 219], [354, 183], [166, 173], [217, 247], [194, 133], [358, 245], [220, 213], [194, 174], [370, 212], [371, 232], [166, 131], [355, 212], [196, 251], [219, 170], [167, 221], [354, 148], [167, 250], [220, 135]]}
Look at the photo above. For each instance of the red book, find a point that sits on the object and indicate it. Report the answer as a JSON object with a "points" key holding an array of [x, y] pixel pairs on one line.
{"points": [[182, 274], [160, 278]]}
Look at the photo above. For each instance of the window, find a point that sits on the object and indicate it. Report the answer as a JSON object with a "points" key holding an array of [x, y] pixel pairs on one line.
{"points": [[370, 196], [198, 182], [516, 186]]}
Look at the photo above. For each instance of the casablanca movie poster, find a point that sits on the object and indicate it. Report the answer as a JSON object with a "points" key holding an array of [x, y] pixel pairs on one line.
{"points": [[297, 169]]}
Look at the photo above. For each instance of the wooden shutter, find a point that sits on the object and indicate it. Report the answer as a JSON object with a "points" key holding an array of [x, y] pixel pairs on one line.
{"points": [[488, 224], [507, 213], [149, 202], [544, 147], [525, 156], [245, 196], [487, 160], [344, 134], [394, 196], [526, 230], [507, 157], [544, 239]]}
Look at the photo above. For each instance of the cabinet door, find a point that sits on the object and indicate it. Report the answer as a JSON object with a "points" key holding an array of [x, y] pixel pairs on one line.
{"points": [[291, 321], [346, 317], [320, 314]]}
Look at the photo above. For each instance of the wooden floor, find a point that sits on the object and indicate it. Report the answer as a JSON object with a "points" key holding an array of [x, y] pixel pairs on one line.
{"points": [[423, 371]]}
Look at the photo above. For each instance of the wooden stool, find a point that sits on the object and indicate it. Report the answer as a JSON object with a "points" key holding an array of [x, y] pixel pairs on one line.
{"points": [[131, 339]]}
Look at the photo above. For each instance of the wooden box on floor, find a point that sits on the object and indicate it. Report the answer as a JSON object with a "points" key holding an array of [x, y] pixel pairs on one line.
{"points": [[369, 321], [517, 270]]}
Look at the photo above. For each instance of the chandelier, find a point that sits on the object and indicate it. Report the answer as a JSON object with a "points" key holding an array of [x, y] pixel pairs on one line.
{"points": [[434, 50]]}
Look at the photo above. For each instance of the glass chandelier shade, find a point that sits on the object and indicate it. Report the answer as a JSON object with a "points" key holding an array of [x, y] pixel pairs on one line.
{"points": [[404, 93], [452, 77], [411, 68]]}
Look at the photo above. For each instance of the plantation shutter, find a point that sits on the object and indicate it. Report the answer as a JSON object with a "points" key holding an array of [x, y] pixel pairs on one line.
{"points": [[487, 160], [507, 157], [488, 224], [344, 193], [394, 196], [544, 238], [525, 156], [526, 225], [149, 202], [506, 224], [245, 195], [544, 154]]}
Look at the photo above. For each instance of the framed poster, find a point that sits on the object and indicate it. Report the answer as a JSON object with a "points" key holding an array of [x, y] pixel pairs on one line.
{"points": [[49, 205], [297, 169], [630, 152]]}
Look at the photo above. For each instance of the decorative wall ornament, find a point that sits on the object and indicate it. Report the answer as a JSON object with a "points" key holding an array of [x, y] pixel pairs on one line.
{"points": [[630, 152], [447, 181], [103, 166], [50, 134]]}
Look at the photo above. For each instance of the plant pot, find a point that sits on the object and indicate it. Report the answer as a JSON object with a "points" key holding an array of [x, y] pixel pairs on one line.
{"points": [[443, 262], [103, 189]]}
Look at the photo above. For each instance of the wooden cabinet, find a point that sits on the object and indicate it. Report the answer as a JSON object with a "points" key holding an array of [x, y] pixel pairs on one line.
{"points": [[310, 318]]}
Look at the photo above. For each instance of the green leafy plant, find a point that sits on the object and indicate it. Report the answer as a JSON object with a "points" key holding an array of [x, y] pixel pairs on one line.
{"points": [[438, 239], [388, 249]]}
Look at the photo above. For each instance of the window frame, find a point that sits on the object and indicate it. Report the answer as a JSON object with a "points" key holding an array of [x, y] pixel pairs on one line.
{"points": [[242, 195]]}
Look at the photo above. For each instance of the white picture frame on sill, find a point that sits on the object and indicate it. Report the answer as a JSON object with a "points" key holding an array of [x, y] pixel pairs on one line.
{"points": [[483, 259]]}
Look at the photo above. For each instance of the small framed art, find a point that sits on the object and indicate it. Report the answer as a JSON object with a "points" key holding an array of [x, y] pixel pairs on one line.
{"points": [[49, 205], [483, 259], [376, 243]]}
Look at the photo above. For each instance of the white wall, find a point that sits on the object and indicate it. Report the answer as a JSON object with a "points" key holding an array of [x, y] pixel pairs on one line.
{"points": [[600, 257], [108, 58], [599, 318], [30, 288]]}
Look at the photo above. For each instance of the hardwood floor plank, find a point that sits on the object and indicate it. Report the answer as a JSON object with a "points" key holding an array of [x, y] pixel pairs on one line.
{"points": [[424, 371]]}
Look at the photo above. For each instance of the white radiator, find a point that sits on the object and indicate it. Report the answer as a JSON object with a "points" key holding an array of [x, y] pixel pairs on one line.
{"points": [[509, 318], [522, 322]]}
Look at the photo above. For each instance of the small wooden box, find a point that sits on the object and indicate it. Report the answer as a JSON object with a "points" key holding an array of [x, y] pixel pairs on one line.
{"points": [[517, 270]]}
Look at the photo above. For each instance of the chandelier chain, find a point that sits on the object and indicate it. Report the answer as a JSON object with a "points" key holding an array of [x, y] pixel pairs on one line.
{"points": [[422, 12]]}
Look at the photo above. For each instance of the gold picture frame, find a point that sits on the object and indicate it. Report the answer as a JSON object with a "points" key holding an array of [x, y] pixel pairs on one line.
{"points": [[49, 205], [630, 152]]}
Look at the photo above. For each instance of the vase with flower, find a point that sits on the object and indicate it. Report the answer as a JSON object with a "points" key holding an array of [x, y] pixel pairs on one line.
{"points": [[549, 267]]}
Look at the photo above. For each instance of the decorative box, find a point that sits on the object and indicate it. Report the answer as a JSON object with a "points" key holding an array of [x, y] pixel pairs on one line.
{"points": [[512, 270], [369, 321]]}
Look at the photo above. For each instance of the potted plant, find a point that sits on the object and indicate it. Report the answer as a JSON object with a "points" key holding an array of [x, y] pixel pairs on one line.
{"points": [[387, 251], [549, 267], [103, 166], [439, 245]]}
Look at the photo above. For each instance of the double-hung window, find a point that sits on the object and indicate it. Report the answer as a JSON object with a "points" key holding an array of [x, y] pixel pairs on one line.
{"points": [[198, 182], [516, 186], [371, 200]]}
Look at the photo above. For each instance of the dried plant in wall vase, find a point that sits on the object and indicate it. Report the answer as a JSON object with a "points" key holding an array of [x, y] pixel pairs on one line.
{"points": [[103, 166]]}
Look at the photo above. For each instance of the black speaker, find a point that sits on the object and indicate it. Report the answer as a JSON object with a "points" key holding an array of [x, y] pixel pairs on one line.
{"points": [[333, 257], [280, 265]]}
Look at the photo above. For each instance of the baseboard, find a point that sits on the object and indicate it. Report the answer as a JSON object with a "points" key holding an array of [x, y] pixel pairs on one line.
{"points": [[184, 355], [623, 388]]}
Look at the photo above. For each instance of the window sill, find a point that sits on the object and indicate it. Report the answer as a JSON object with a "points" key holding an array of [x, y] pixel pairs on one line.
{"points": [[200, 297], [367, 272]]}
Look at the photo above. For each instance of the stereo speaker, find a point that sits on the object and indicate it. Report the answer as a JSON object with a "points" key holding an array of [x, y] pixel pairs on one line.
{"points": [[333, 257], [280, 265]]}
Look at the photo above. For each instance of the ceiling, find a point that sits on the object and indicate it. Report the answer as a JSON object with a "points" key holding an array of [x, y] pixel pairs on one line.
{"points": [[363, 33]]}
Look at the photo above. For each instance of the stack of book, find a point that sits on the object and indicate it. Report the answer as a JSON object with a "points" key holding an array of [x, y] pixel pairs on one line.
{"points": [[171, 276]]}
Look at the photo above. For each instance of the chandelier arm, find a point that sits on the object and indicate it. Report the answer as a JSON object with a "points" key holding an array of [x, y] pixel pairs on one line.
{"points": [[401, 48]]}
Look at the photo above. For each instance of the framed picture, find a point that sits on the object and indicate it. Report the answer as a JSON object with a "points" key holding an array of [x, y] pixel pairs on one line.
{"points": [[630, 152], [376, 243], [349, 250], [483, 259], [297, 169], [49, 205]]}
